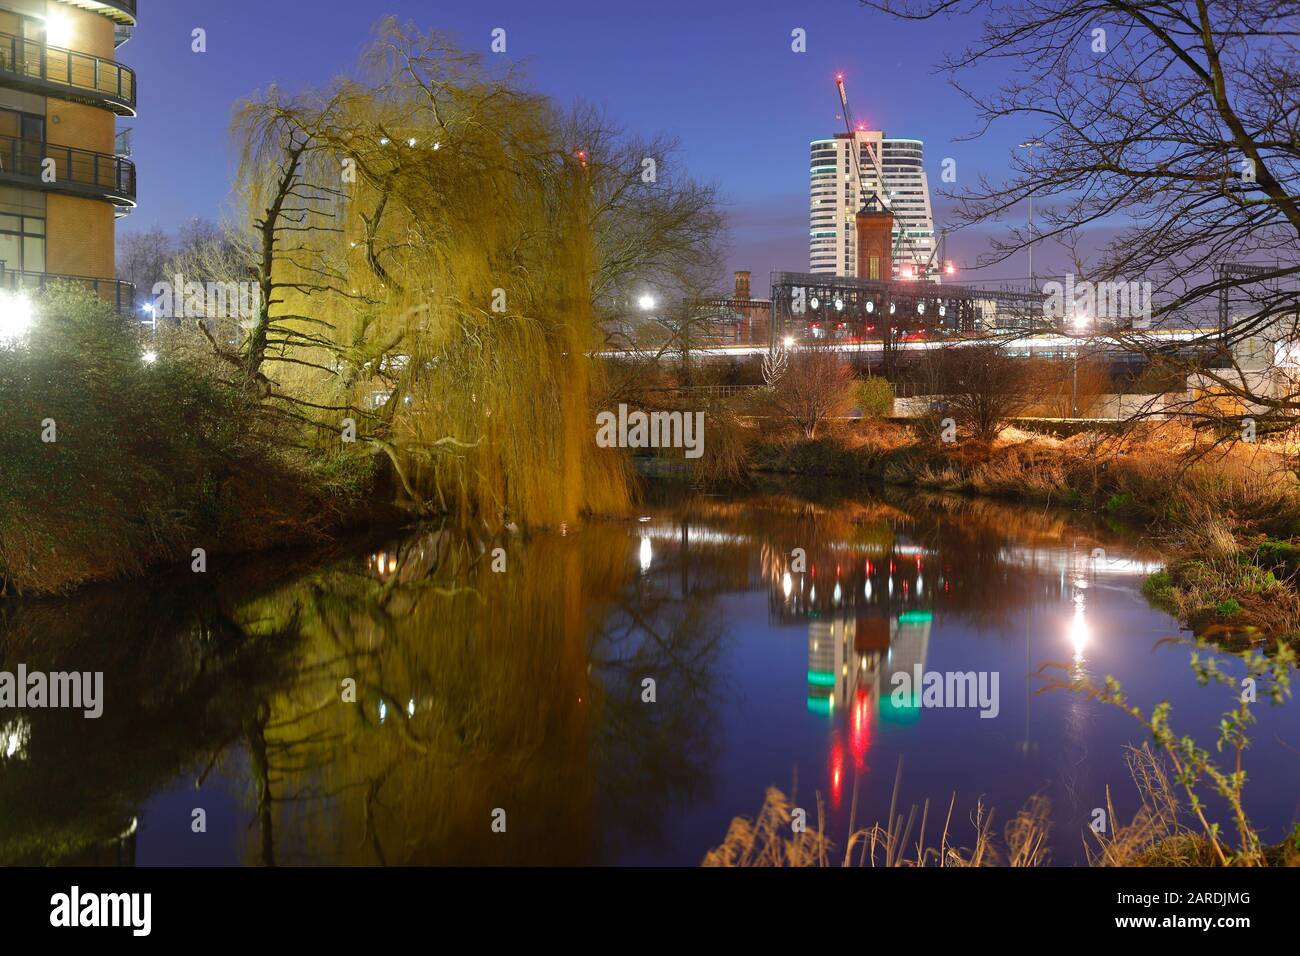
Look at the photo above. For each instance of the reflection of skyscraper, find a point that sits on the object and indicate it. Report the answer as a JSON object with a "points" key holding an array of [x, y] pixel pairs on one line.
{"points": [[909, 647], [853, 658]]}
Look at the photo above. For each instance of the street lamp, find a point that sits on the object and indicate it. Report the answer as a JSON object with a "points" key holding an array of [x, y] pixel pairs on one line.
{"points": [[646, 302], [58, 30], [15, 317], [1033, 286]]}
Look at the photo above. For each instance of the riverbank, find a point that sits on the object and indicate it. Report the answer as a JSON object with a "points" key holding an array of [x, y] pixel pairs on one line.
{"points": [[1226, 515], [114, 460]]}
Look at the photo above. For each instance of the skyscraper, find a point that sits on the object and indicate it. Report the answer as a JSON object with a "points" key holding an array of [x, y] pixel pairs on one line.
{"points": [[64, 173], [836, 195]]}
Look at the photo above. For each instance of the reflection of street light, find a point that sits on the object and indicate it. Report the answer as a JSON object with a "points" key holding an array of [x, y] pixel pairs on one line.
{"points": [[646, 554], [1079, 633]]}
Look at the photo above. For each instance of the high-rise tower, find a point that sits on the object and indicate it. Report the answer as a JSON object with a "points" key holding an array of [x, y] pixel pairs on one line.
{"points": [[836, 196]]}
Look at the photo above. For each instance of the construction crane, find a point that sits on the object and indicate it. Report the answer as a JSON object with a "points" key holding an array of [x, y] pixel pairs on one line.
{"points": [[876, 163], [853, 146]]}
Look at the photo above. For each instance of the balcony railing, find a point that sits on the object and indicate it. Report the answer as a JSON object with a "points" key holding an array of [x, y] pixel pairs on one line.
{"points": [[66, 74], [121, 11], [115, 292], [80, 172]]}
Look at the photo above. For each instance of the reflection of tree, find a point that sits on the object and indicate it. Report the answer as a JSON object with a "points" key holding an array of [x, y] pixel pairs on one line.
{"points": [[653, 755], [478, 690], [181, 676]]}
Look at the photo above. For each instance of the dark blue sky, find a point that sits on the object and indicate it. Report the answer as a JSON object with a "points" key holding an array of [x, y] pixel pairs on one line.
{"points": [[717, 74]]}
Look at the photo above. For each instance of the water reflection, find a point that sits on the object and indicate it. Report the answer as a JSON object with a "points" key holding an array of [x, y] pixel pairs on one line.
{"points": [[620, 690]]}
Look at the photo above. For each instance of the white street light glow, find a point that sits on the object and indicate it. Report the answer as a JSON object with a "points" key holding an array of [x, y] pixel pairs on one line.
{"points": [[58, 30], [646, 302], [15, 317]]}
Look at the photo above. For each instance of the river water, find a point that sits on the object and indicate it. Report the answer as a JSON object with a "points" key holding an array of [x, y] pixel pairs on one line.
{"points": [[402, 701]]}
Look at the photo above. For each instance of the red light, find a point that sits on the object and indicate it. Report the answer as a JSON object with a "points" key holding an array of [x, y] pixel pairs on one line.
{"points": [[949, 268]]}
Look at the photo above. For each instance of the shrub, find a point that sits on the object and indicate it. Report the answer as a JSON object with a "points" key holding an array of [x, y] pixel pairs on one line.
{"points": [[875, 396], [148, 461]]}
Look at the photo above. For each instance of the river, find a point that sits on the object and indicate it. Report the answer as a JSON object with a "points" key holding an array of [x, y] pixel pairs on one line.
{"points": [[611, 693]]}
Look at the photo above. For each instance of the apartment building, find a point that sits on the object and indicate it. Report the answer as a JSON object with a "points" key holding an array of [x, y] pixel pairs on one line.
{"points": [[65, 171]]}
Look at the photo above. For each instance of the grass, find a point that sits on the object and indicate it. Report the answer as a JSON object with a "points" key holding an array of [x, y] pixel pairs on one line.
{"points": [[1158, 834]]}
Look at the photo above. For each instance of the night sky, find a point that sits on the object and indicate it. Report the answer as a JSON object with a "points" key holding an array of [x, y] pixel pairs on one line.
{"points": [[718, 75]]}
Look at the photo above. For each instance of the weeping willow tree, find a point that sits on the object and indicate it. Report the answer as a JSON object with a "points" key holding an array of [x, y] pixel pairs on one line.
{"points": [[432, 246]]}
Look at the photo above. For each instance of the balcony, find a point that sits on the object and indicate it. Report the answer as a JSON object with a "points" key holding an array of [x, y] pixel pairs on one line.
{"points": [[119, 11], [77, 172], [115, 292], [45, 70]]}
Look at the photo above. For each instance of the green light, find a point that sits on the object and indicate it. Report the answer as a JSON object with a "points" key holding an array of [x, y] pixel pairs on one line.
{"points": [[821, 706], [915, 617], [898, 713], [821, 678]]}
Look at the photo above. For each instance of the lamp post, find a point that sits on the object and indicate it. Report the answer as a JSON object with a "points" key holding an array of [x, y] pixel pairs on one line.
{"points": [[1033, 285]]}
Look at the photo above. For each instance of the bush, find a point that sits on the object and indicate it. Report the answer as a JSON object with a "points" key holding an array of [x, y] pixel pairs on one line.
{"points": [[875, 396], [147, 460]]}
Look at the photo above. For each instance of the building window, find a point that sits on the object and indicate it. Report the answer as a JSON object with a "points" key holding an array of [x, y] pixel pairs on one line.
{"points": [[28, 126], [22, 243], [874, 268]]}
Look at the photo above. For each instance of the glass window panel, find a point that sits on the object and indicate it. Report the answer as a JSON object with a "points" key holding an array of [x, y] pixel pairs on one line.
{"points": [[11, 252], [33, 254]]}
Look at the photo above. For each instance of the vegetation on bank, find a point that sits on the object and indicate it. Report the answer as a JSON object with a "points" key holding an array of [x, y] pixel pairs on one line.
{"points": [[114, 457], [435, 251]]}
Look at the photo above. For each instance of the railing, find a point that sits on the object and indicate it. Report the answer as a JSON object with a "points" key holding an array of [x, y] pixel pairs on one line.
{"points": [[124, 9], [78, 76], [75, 170], [119, 294]]}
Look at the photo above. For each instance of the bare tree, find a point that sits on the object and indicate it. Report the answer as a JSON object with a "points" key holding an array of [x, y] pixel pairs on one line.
{"points": [[816, 385], [1176, 123], [982, 387], [142, 258]]}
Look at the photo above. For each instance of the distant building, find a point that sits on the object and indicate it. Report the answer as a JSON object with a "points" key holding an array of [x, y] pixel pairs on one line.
{"points": [[836, 196]]}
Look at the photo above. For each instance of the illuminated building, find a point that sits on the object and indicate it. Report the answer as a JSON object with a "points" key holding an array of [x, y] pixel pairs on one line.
{"points": [[65, 172]]}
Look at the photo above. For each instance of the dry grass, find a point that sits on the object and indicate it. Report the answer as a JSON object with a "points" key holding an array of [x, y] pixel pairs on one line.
{"points": [[1156, 835], [770, 840]]}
